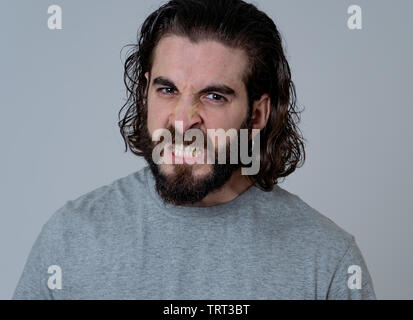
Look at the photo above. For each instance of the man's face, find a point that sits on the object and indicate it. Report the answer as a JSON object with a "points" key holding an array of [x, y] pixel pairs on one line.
{"points": [[180, 74]]}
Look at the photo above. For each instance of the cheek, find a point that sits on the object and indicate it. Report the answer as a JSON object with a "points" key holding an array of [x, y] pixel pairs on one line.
{"points": [[157, 115], [230, 124], [152, 121], [228, 118]]}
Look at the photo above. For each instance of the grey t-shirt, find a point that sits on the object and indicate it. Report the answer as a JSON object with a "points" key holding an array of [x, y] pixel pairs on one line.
{"points": [[121, 241]]}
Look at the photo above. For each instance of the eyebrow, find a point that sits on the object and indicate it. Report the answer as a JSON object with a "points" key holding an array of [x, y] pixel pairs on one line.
{"points": [[216, 87]]}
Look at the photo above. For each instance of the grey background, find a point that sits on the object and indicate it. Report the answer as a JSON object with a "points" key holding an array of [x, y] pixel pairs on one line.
{"points": [[61, 91]]}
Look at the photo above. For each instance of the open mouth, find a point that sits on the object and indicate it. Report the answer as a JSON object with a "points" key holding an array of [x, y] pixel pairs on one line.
{"points": [[188, 151], [187, 154]]}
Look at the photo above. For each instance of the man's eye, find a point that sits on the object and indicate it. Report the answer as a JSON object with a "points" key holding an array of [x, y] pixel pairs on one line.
{"points": [[216, 97], [167, 91]]}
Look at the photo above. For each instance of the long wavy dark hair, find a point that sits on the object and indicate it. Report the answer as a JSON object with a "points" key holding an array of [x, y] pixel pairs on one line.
{"points": [[236, 24]]}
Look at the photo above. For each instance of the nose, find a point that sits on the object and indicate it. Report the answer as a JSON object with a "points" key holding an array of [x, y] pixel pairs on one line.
{"points": [[186, 110]]}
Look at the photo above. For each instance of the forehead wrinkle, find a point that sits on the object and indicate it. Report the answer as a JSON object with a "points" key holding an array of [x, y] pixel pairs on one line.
{"points": [[194, 61]]}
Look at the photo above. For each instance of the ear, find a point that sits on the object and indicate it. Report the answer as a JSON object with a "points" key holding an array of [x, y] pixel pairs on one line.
{"points": [[261, 112], [147, 76]]}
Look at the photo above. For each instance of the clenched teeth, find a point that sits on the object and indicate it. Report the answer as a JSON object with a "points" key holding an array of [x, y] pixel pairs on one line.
{"points": [[188, 151]]}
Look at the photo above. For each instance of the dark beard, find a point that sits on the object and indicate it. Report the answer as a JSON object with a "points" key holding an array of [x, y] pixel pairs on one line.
{"points": [[181, 188]]}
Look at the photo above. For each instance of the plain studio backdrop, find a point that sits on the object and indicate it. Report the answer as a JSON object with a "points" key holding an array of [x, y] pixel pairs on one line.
{"points": [[61, 91]]}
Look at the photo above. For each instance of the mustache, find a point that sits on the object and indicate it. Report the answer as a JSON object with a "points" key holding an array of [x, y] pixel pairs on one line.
{"points": [[174, 133], [207, 141]]}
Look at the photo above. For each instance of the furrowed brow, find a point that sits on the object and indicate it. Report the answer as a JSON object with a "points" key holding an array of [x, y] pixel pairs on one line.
{"points": [[161, 81], [219, 88]]}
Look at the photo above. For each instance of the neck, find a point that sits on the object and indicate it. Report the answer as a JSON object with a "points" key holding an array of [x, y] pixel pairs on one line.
{"points": [[235, 186]]}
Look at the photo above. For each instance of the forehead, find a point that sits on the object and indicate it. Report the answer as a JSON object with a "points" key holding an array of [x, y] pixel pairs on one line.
{"points": [[207, 61]]}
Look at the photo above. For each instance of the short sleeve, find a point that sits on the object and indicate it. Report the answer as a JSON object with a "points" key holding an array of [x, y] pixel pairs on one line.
{"points": [[351, 280]]}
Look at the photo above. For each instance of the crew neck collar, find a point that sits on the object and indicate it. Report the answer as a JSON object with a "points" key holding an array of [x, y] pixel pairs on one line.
{"points": [[188, 211]]}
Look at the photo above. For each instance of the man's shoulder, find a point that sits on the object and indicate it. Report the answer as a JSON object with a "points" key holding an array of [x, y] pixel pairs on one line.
{"points": [[301, 223], [122, 189], [107, 202]]}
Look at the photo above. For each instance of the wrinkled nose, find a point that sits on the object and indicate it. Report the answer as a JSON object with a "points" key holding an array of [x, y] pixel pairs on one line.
{"points": [[186, 111]]}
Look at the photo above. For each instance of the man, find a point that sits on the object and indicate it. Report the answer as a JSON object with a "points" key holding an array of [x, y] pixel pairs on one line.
{"points": [[188, 228]]}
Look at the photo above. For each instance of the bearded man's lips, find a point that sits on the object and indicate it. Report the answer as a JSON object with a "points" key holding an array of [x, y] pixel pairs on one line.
{"points": [[184, 154]]}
